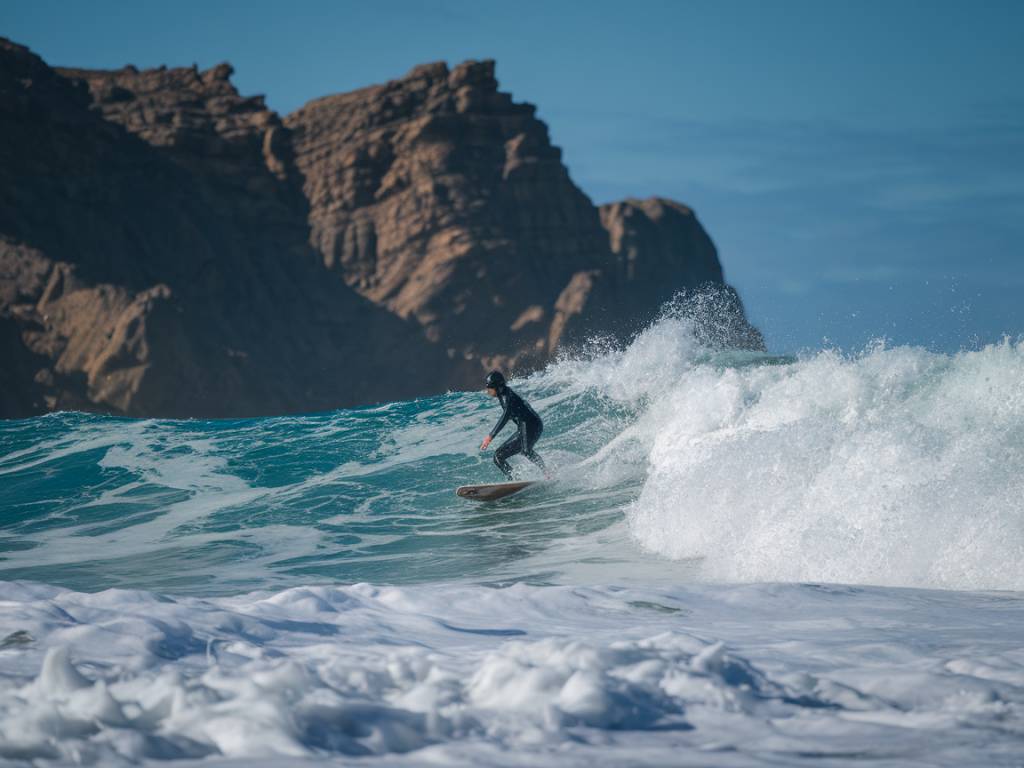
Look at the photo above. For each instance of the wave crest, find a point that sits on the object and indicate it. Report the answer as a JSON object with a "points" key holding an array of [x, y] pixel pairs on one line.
{"points": [[897, 466]]}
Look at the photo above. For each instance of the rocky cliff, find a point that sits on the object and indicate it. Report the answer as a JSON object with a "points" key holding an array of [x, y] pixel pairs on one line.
{"points": [[169, 247], [441, 199], [154, 256]]}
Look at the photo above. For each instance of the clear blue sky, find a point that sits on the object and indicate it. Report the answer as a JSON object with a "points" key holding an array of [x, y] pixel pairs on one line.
{"points": [[860, 165]]}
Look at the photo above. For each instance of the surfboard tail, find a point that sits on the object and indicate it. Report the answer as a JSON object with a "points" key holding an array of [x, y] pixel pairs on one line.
{"points": [[491, 491]]}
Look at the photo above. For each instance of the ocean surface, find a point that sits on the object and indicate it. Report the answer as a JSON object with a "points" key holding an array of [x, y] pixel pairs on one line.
{"points": [[743, 560]]}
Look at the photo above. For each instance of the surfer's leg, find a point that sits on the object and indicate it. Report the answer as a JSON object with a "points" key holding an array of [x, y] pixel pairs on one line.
{"points": [[532, 455], [510, 447], [536, 459]]}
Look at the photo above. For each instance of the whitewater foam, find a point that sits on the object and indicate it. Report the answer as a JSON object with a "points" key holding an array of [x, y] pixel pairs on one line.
{"points": [[896, 466], [757, 675]]}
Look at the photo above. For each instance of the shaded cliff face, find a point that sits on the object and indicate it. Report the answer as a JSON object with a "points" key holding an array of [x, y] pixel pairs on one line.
{"points": [[662, 253], [169, 247], [648, 239], [168, 272]]}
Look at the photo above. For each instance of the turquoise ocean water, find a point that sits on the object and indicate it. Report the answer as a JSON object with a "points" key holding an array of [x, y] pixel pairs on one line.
{"points": [[743, 560]]}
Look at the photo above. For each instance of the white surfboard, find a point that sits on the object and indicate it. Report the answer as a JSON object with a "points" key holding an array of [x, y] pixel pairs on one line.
{"points": [[492, 491]]}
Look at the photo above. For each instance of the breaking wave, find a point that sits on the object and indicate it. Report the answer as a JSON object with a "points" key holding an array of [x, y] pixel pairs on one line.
{"points": [[895, 466]]}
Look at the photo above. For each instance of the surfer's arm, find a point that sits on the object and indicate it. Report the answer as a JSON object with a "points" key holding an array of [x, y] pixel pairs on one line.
{"points": [[502, 421]]}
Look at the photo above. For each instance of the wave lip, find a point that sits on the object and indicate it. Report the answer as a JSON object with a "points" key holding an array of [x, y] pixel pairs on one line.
{"points": [[897, 466]]}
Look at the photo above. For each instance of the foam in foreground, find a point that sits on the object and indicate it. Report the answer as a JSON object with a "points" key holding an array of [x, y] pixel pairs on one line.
{"points": [[732, 676]]}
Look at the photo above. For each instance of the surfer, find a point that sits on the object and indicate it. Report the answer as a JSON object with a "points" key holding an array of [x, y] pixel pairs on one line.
{"points": [[528, 426]]}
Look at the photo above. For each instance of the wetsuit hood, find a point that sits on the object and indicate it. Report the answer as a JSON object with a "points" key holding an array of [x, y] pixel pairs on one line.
{"points": [[495, 380]]}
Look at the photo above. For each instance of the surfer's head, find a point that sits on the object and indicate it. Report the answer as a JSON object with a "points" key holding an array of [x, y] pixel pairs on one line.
{"points": [[495, 382]]}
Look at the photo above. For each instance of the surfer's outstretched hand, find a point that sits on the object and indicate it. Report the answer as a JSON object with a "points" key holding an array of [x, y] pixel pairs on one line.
{"points": [[485, 443]]}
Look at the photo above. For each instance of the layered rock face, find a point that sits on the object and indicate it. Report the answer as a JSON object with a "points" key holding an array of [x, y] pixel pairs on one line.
{"points": [[169, 247], [168, 271], [441, 199]]}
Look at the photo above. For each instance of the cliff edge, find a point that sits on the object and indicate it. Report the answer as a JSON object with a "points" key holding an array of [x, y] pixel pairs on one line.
{"points": [[169, 247]]}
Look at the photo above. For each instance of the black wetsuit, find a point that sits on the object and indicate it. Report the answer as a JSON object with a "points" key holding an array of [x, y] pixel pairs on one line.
{"points": [[528, 429]]}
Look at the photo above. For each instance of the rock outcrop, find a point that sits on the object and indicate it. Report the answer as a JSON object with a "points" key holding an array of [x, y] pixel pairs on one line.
{"points": [[169, 247], [439, 197], [443, 200], [154, 262], [647, 238]]}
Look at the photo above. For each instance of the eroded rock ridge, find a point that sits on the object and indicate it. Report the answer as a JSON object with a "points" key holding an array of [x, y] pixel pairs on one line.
{"points": [[169, 247]]}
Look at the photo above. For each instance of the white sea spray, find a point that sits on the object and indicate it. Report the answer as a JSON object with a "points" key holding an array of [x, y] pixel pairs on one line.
{"points": [[895, 466]]}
